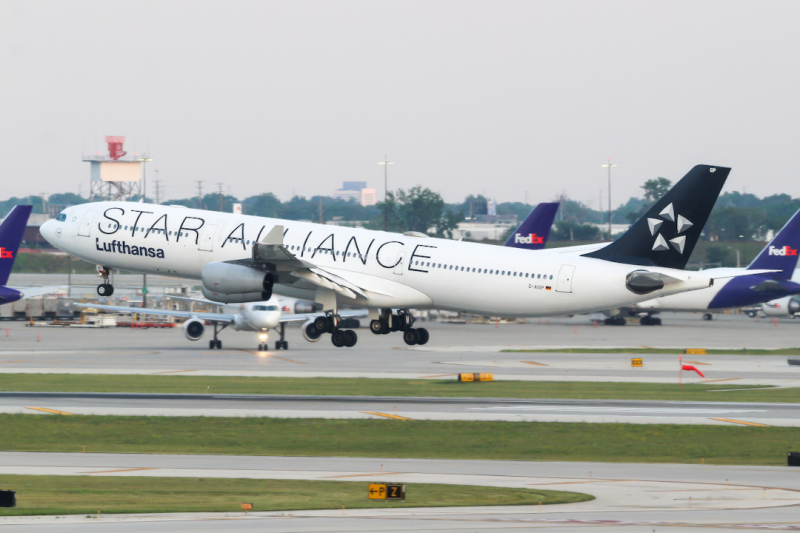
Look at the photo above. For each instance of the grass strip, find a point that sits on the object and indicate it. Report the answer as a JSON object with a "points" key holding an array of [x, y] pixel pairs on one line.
{"points": [[653, 351], [438, 388], [42, 495], [533, 441]]}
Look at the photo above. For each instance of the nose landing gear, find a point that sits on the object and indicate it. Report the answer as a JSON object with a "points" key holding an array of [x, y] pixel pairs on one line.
{"points": [[105, 288]]}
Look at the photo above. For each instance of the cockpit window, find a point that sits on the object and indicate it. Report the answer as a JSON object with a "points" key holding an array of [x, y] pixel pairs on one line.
{"points": [[62, 217], [265, 308]]}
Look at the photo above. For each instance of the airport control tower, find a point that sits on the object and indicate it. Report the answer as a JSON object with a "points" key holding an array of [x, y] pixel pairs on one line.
{"points": [[116, 176]]}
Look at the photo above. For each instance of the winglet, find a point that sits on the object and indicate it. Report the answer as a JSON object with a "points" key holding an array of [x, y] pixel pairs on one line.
{"points": [[275, 236]]}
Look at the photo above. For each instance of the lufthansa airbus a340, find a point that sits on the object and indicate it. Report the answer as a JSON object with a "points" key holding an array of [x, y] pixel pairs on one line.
{"points": [[240, 258]]}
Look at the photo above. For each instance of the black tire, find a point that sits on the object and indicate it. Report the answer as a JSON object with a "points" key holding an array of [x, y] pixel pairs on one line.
{"points": [[212, 345], [423, 336], [376, 327], [410, 336], [285, 345], [110, 290], [321, 323], [352, 338], [278, 345], [102, 289], [385, 328], [338, 338], [219, 345], [708, 316]]}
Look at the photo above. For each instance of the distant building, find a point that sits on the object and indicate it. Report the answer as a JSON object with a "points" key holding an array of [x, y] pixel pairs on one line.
{"points": [[485, 227], [356, 190], [368, 197]]}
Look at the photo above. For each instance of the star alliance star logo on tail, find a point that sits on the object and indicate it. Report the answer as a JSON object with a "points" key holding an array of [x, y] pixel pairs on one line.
{"points": [[528, 239], [783, 250], [678, 242]]}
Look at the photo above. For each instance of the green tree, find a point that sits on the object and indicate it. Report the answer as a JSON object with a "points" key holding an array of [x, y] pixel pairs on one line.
{"points": [[417, 209], [717, 254], [655, 189]]}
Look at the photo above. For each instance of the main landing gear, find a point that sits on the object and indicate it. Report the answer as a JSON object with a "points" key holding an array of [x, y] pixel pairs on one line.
{"points": [[650, 320], [215, 342], [402, 321], [330, 323], [282, 343], [105, 288]]}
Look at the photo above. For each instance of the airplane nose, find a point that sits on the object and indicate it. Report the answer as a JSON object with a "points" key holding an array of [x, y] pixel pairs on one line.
{"points": [[48, 231]]}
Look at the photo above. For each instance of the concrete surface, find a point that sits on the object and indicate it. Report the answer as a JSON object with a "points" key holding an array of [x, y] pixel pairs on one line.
{"points": [[633, 496], [366, 407]]}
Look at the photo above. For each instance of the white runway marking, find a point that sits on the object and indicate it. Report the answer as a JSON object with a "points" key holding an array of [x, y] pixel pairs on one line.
{"points": [[612, 410]]}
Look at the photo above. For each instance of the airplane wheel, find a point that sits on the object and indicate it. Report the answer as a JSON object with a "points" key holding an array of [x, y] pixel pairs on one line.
{"points": [[321, 323], [376, 327], [411, 337], [285, 345], [338, 338], [385, 327], [708, 316], [212, 345], [105, 289], [219, 345], [423, 336], [352, 338]]}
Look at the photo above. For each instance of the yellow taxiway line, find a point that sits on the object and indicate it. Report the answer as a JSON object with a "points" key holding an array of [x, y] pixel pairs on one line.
{"points": [[50, 411], [396, 417], [741, 422]]}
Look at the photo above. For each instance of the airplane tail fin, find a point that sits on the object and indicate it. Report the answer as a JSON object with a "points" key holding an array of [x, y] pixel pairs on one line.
{"points": [[781, 252], [11, 231], [533, 232], [666, 235]]}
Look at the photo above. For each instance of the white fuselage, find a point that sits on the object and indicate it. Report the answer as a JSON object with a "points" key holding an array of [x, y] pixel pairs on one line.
{"points": [[394, 270]]}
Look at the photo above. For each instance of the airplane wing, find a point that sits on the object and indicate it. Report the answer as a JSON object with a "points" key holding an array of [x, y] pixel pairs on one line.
{"points": [[302, 317], [30, 292], [212, 317], [302, 274]]}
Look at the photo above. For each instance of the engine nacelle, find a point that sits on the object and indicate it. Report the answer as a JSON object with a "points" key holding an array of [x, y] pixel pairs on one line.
{"points": [[310, 332], [787, 306], [229, 283], [193, 329]]}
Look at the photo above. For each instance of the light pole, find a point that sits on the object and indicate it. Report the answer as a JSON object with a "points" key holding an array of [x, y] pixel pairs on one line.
{"points": [[608, 166], [144, 161], [385, 164]]}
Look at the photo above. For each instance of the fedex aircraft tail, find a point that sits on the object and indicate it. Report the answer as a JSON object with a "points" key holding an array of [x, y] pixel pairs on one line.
{"points": [[781, 252], [533, 232], [11, 230], [666, 235]]}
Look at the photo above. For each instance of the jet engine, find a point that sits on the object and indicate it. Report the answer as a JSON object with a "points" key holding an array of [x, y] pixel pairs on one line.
{"points": [[193, 329], [310, 332], [787, 306], [229, 283]]}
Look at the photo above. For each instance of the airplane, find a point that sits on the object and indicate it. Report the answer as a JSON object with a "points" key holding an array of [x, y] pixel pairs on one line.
{"points": [[746, 289], [241, 258], [258, 317], [11, 231], [533, 232]]}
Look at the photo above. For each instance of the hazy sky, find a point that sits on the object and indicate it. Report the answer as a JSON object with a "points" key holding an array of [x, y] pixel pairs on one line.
{"points": [[499, 97]]}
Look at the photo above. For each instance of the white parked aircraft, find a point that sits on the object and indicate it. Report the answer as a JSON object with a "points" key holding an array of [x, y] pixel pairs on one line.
{"points": [[259, 317], [240, 258]]}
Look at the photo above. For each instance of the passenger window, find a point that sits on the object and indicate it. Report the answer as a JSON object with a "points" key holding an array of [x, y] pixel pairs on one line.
{"points": [[551, 277]]}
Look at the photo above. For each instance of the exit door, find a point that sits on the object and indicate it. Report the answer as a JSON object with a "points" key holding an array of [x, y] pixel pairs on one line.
{"points": [[565, 278], [398, 268], [207, 238], [86, 224]]}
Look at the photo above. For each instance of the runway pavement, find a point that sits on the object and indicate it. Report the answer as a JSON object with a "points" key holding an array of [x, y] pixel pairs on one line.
{"points": [[453, 348], [629, 497], [365, 407]]}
